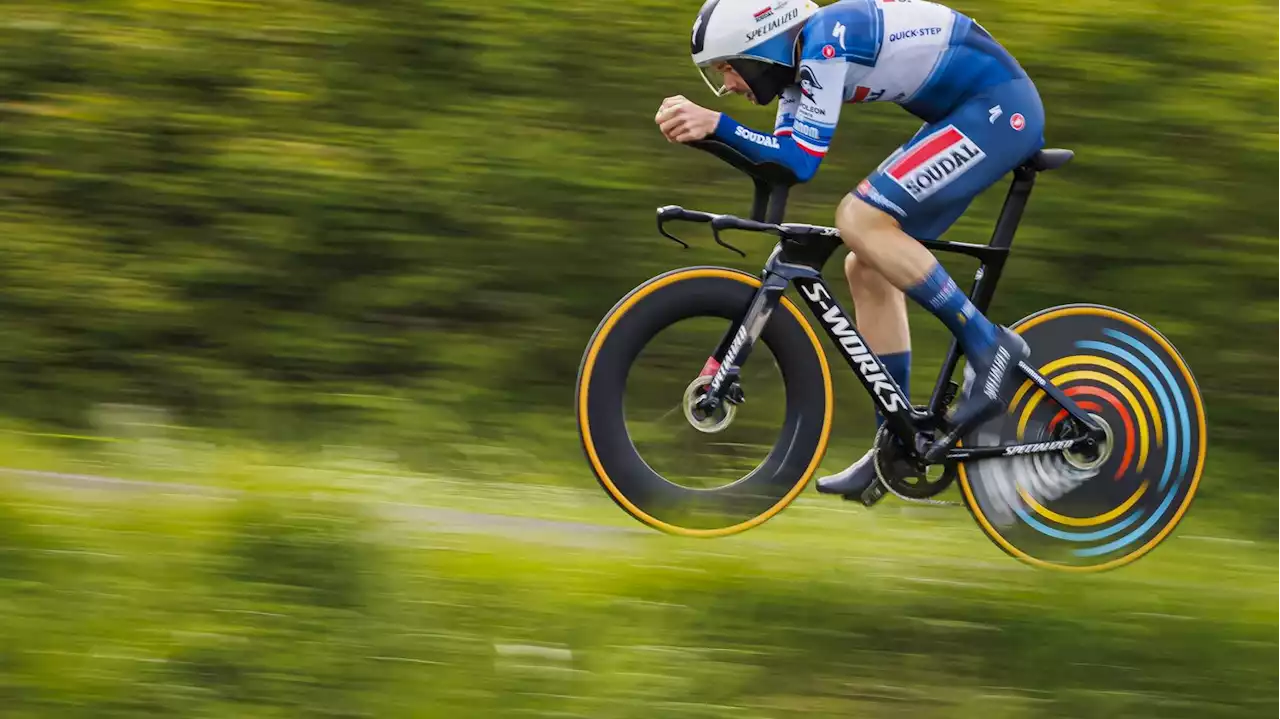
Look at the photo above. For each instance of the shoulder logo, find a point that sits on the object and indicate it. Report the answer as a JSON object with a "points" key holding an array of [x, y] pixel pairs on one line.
{"points": [[808, 82], [838, 32]]}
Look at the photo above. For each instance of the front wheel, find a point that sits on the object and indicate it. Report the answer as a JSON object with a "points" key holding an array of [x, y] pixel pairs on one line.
{"points": [[709, 299]]}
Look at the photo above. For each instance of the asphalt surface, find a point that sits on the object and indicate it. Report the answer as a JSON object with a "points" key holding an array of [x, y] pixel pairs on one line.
{"points": [[458, 521]]}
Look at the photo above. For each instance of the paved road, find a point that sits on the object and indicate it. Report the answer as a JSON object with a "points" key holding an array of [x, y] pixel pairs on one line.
{"points": [[568, 533]]}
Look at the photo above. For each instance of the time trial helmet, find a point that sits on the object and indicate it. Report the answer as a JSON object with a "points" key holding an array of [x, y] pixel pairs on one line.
{"points": [[757, 38]]}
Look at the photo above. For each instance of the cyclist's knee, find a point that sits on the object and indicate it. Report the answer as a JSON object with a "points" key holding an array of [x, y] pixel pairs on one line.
{"points": [[852, 266], [858, 221], [858, 271], [865, 282]]}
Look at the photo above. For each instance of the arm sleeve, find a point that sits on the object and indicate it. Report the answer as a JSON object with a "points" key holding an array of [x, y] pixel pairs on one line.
{"points": [[806, 121], [761, 148]]}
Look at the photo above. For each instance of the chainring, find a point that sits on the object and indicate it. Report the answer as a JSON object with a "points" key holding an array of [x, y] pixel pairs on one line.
{"points": [[905, 476]]}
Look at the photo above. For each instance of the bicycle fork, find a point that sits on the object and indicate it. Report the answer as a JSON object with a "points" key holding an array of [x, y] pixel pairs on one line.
{"points": [[736, 345]]}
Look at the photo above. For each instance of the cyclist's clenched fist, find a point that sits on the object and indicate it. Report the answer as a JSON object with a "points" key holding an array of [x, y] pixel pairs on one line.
{"points": [[683, 121]]}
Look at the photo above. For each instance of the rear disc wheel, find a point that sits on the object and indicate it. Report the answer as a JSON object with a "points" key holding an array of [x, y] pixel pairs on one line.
{"points": [[1108, 505]]}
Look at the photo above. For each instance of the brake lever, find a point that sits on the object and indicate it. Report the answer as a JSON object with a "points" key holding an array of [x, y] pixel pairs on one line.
{"points": [[670, 236], [715, 234], [665, 213], [730, 222]]}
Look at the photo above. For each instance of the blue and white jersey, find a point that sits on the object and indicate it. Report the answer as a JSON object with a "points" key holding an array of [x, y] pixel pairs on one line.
{"points": [[921, 55]]}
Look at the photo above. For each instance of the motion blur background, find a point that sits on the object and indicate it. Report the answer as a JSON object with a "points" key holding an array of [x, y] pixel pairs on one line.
{"points": [[292, 299]]}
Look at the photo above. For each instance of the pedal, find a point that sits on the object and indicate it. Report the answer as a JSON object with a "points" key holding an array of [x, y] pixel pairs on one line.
{"points": [[872, 494]]}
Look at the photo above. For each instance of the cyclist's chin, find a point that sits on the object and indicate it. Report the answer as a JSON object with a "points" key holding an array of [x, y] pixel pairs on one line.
{"points": [[751, 97]]}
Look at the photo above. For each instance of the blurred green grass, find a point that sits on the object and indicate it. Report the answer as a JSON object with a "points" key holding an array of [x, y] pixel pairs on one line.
{"points": [[341, 585]]}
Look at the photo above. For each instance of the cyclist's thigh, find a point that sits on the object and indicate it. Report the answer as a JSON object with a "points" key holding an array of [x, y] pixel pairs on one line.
{"points": [[930, 181]]}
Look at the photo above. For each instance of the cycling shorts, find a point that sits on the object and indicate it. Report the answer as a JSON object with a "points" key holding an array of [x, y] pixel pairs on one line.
{"points": [[929, 182]]}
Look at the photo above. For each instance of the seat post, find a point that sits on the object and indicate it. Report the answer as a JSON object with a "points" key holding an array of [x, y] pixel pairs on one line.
{"points": [[1024, 178]]}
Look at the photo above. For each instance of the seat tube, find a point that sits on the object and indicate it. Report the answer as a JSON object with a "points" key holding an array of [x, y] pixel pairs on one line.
{"points": [[1024, 178], [988, 274], [983, 289]]}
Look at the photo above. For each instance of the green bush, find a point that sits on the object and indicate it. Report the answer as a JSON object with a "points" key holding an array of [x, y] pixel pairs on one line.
{"points": [[398, 223]]}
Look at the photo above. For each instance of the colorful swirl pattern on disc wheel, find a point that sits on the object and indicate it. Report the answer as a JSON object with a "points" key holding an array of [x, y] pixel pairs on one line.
{"points": [[1052, 513]]}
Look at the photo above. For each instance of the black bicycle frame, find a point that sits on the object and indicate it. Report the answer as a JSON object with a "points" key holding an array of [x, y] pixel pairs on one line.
{"points": [[799, 258]]}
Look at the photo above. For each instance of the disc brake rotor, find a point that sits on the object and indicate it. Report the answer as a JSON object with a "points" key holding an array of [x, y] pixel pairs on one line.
{"points": [[1089, 461], [718, 420]]}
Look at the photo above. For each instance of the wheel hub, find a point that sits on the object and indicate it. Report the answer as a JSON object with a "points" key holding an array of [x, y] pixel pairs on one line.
{"points": [[718, 420], [1092, 457]]}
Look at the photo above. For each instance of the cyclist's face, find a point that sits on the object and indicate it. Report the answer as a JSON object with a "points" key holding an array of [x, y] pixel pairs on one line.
{"points": [[733, 81]]}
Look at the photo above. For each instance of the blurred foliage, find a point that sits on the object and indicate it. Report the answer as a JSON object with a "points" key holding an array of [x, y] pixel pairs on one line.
{"points": [[394, 225], [398, 223]]}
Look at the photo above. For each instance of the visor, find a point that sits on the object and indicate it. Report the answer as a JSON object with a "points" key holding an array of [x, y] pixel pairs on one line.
{"points": [[765, 79], [714, 79]]}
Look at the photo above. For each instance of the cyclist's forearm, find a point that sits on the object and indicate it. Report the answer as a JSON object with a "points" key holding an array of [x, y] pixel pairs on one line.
{"points": [[763, 148]]}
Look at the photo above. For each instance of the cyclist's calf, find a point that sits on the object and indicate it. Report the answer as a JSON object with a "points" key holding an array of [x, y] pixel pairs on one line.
{"points": [[879, 308]]}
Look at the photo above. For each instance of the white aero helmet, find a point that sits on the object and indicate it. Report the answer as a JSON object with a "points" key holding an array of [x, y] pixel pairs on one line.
{"points": [[757, 38]]}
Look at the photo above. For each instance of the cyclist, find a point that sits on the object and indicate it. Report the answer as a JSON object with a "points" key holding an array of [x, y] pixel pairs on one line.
{"points": [[982, 117]]}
